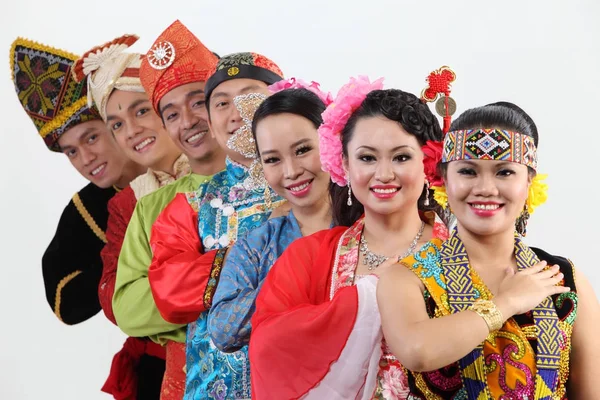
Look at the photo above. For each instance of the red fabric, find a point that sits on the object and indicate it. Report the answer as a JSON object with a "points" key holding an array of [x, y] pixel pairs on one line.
{"points": [[191, 62], [179, 272], [297, 332], [173, 385], [122, 379], [120, 210], [432, 156]]}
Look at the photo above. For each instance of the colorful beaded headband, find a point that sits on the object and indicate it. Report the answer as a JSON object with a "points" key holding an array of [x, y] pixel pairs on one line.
{"points": [[490, 144]]}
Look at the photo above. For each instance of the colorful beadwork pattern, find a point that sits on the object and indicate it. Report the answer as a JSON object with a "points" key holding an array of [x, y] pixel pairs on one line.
{"points": [[54, 101], [527, 358], [490, 144]]}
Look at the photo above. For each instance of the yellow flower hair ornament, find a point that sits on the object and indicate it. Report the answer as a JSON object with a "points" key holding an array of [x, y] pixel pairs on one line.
{"points": [[538, 193], [440, 196]]}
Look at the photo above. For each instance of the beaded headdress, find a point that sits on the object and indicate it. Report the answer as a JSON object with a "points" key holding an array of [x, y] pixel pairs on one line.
{"points": [[490, 144], [50, 96]]}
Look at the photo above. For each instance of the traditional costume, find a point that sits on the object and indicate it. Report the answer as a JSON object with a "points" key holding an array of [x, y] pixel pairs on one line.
{"points": [[109, 67], [248, 262], [316, 331], [186, 61], [528, 356], [55, 102], [222, 210]]}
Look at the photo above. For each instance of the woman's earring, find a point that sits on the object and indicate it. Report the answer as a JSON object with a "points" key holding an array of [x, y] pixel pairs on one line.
{"points": [[426, 202], [349, 202], [521, 224]]}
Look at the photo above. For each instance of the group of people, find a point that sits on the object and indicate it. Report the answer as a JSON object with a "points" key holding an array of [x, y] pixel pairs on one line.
{"points": [[256, 237]]}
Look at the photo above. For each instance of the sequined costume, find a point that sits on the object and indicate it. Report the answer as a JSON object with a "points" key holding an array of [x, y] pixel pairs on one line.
{"points": [[527, 358]]}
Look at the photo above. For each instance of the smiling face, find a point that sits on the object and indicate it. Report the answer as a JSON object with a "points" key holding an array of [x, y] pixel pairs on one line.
{"points": [[385, 166], [94, 153], [487, 196], [225, 119], [139, 131], [184, 113], [289, 151]]}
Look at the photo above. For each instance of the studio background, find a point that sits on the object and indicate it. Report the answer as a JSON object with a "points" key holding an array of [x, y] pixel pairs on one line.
{"points": [[542, 55]]}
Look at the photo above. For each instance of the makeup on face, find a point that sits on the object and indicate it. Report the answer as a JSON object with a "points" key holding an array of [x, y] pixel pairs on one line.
{"points": [[385, 166], [289, 152]]}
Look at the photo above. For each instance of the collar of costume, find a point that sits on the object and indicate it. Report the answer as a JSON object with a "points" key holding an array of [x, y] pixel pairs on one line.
{"points": [[462, 293], [50, 96], [175, 59], [490, 144], [109, 67], [243, 65]]}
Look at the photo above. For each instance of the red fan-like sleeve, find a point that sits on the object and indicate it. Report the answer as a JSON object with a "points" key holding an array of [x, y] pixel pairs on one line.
{"points": [[120, 210], [297, 332], [179, 273]]}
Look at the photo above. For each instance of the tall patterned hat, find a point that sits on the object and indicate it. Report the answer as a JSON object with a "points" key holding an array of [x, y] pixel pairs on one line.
{"points": [[54, 101], [109, 67], [176, 58], [243, 65]]}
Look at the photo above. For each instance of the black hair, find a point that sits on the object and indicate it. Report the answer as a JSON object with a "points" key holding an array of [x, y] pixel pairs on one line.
{"points": [[396, 105], [501, 115], [301, 102]]}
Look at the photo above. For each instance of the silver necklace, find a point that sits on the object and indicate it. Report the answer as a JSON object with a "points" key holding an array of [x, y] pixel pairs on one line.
{"points": [[372, 260]]}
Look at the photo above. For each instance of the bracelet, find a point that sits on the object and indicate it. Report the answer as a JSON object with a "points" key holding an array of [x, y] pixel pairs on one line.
{"points": [[487, 310]]}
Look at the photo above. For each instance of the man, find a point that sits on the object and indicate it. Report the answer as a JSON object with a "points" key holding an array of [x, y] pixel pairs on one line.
{"points": [[176, 93], [114, 77], [58, 107], [183, 279]]}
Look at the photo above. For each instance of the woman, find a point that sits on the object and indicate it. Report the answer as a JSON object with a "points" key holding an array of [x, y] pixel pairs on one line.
{"points": [[483, 315], [316, 329], [285, 132]]}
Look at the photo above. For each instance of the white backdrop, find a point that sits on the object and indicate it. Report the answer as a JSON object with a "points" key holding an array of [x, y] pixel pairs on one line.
{"points": [[542, 55]]}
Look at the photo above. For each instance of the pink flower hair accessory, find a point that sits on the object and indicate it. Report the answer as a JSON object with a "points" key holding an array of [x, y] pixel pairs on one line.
{"points": [[293, 83], [335, 117]]}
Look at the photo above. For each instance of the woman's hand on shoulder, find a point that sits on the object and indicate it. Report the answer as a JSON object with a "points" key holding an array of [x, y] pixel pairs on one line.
{"points": [[522, 291]]}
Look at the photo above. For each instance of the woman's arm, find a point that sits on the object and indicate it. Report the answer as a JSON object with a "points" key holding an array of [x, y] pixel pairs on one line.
{"points": [[424, 344], [421, 343], [585, 351]]}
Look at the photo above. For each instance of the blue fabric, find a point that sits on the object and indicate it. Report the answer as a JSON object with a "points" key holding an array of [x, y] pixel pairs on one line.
{"points": [[229, 208], [248, 262]]}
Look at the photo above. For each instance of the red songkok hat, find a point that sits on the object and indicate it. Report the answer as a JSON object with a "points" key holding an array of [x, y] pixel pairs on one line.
{"points": [[176, 58]]}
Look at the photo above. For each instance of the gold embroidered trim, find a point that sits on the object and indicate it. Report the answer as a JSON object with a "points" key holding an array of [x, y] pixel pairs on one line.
{"points": [[215, 274], [59, 289], [64, 115], [38, 46], [88, 218]]}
